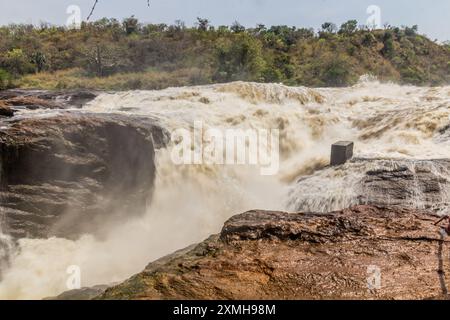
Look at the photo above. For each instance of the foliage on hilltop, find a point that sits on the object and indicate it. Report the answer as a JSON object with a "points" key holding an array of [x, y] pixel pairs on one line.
{"points": [[108, 54]]}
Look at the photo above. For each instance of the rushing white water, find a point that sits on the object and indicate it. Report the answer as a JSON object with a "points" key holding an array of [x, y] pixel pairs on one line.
{"points": [[192, 202], [6, 247], [418, 184]]}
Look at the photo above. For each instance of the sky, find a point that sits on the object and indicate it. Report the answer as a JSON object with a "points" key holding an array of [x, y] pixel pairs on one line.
{"points": [[432, 17]]}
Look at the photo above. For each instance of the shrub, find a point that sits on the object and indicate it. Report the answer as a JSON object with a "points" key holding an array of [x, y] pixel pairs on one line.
{"points": [[369, 39], [329, 27], [349, 27], [337, 72], [413, 76], [411, 31], [388, 41], [5, 79], [239, 58], [16, 62]]}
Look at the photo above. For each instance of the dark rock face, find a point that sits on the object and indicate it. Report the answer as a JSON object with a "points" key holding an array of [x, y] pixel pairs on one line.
{"points": [[73, 173], [416, 184], [275, 255], [6, 111]]}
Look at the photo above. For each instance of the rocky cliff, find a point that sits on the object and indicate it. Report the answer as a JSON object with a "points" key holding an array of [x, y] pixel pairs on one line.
{"points": [[72, 173], [275, 255], [69, 172]]}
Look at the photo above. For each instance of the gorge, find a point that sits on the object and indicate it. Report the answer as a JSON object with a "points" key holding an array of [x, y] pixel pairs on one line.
{"points": [[92, 184]]}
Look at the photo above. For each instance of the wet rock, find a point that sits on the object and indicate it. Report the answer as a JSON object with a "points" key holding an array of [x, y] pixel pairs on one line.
{"points": [[75, 173], [31, 103], [416, 184], [6, 111], [413, 184], [275, 255], [41, 99]]}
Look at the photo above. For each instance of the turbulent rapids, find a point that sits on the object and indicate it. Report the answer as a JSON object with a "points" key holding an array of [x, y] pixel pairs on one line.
{"points": [[402, 141]]}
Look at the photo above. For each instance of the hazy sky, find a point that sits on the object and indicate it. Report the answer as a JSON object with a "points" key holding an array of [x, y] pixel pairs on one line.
{"points": [[431, 16]]}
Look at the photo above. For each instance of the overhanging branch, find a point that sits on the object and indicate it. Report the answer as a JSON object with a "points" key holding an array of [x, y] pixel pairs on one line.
{"points": [[92, 10], [95, 4]]}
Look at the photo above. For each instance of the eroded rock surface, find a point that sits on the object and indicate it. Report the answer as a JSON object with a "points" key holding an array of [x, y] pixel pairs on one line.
{"points": [[275, 255], [41, 99], [415, 184], [75, 172]]}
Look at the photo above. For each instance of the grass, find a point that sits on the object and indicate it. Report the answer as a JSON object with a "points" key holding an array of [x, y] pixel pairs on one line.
{"points": [[148, 80]]}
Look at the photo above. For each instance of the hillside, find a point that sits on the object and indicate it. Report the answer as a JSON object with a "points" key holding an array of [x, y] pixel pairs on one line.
{"points": [[108, 54]]}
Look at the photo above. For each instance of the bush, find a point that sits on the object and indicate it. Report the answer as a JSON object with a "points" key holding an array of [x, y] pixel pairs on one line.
{"points": [[16, 62], [369, 39], [410, 32], [337, 72], [413, 76], [5, 79], [388, 41], [329, 27], [349, 27], [131, 25], [239, 58]]}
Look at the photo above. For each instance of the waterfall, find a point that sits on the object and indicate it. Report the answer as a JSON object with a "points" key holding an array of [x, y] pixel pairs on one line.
{"points": [[391, 126]]}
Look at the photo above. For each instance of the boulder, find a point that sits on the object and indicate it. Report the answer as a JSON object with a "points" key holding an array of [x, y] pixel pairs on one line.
{"points": [[365, 252], [5, 110]]}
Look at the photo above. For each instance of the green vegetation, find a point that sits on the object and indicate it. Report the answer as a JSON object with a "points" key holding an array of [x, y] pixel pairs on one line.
{"points": [[108, 54], [5, 80]]}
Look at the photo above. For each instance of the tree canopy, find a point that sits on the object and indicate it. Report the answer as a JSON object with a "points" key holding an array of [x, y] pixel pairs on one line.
{"points": [[128, 54]]}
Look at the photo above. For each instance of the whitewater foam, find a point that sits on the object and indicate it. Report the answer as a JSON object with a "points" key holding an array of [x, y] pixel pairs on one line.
{"points": [[192, 201]]}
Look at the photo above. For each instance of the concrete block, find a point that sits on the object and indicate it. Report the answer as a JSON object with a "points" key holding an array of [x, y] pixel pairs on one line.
{"points": [[341, 152]]}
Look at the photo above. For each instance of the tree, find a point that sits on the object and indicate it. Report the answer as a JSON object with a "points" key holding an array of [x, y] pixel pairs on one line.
{"points": [[329, 27], [103, 59], [5, 79], [260, 28], [411, 31], [336, 72], [369, 39], [131, 25], [239, 58], [388, 41], [236, 27], [39, 60], [349, 27], [179, 25], [16, 62], [223, 29], [202, 24]]}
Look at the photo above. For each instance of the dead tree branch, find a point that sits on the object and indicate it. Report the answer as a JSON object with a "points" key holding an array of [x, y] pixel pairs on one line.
{"points": [[95, 4], [92, 10]]}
